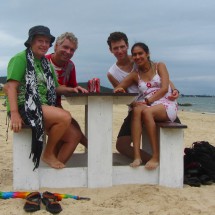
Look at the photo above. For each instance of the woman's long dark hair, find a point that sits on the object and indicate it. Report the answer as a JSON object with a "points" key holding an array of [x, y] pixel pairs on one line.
{"points": [[143, 46]]}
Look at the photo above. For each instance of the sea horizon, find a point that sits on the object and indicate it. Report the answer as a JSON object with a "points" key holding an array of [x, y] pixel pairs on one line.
{"points": [[203, 104]]}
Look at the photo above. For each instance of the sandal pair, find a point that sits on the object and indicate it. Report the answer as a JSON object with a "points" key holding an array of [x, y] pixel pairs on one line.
{"points": [[33, 201], [51, 203]]}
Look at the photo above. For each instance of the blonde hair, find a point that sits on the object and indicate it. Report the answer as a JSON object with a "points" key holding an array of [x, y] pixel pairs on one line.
{"points": [[67, 35]]}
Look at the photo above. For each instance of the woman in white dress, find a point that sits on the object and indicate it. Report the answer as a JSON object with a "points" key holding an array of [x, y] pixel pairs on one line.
{"points": [[153, 104]]}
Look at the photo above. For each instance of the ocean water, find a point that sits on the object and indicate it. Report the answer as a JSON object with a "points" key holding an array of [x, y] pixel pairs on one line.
{"points": [[198, 104]]}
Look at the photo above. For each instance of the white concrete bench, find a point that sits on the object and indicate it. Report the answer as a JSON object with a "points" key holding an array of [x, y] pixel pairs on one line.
{"points": [[25, 178], [171, 143], [169, 173]]}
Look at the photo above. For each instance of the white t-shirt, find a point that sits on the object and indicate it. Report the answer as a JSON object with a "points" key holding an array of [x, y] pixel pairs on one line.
{"points": [[119, 75]]}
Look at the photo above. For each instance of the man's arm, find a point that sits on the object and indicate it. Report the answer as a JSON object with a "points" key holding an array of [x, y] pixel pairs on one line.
{"points": [[112, 80], [126, 82], [175, 92], [64, 90], [81, 89]]}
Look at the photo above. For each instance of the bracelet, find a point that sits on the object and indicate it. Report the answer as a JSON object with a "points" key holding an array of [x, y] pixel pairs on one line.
{"points": [[177, 91], [147, 102]]}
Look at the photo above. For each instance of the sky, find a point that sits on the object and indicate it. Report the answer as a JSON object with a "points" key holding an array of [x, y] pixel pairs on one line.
{"points": [[180, 33]]}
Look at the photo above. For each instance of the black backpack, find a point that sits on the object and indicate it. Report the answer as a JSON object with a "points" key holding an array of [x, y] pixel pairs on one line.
{"points": [[203, 155]]}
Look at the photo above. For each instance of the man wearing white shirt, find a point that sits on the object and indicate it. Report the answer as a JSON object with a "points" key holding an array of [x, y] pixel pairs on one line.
{"points": [[118, 45]]}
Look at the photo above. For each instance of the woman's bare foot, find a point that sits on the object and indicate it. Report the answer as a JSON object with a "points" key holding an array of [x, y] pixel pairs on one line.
{"points": [[136, 163], [152, 164], [53, 162]]}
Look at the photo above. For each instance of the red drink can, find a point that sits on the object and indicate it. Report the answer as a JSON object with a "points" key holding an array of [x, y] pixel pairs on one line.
{"points": [[96, 85], [90, 86]]}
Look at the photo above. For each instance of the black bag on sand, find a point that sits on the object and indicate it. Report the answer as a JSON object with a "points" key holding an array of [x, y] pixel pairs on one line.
{"points": [[199, 162]]}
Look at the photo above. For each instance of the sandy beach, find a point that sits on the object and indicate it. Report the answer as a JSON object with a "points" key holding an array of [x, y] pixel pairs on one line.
{"points": [[124, 199]]}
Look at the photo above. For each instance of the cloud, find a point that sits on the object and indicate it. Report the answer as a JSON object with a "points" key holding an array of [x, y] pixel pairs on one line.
{"points": [[180, 33], [8, 43], [8, 40], [208, 78], [3, 63], [189, 53]]}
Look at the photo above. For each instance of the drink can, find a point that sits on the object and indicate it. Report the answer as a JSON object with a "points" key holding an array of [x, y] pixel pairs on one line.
{"points": [[96, 85], [90, 85]]}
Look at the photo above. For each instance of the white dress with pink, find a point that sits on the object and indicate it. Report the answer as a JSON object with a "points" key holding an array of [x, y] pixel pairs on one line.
{"points": [[147, 89]]}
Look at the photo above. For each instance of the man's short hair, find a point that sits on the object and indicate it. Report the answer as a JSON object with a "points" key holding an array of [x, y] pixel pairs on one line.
{"points": [[117, 36], [67, 35]]}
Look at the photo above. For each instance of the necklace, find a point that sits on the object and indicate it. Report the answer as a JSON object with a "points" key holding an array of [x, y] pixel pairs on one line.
{"points": [[145, 70]]}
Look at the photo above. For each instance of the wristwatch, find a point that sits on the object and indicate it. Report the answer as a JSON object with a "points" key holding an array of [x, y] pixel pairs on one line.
{"points": [[147, 102]]}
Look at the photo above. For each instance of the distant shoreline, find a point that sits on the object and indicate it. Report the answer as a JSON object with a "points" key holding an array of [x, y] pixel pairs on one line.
{"points": [[196, 112], [3, 80], [196, 95]]}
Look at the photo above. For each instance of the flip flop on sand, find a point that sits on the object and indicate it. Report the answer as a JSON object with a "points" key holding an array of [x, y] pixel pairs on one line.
{"points": [[51, 203], [33, 201]]}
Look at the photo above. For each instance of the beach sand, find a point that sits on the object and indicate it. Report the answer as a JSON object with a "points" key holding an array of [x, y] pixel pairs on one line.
{"points": [[124, 199]]}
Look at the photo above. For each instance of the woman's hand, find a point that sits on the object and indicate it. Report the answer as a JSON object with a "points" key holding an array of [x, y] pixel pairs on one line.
{"points": [[119, 90], [16, 122], [135, 104], [174, 95]]}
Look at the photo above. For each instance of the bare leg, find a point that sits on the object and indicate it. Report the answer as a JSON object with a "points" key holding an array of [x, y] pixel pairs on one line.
{"points": [[70, 140], [83, 140], [136, 131], [56, 122], [123, 146], [149, 116]]}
